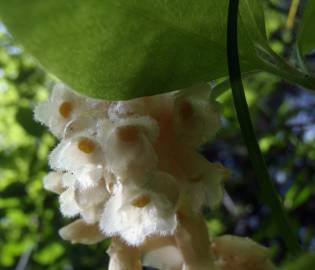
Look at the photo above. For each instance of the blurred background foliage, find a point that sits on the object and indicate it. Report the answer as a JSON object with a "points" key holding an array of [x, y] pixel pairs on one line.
{"points": [[284, 117]]}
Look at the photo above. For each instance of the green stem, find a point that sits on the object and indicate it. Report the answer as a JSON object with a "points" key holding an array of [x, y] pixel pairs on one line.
{"points": [[269, 192], [271, 62]]}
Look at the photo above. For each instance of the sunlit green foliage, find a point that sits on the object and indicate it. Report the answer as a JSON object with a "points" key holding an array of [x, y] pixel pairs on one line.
{"points": [[29, 217]]}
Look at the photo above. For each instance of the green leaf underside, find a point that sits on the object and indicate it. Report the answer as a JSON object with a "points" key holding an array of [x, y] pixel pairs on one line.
{"points": [[306, 38], [126, 49]]}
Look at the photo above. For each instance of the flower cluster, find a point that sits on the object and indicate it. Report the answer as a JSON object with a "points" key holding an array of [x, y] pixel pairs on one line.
{"points": [[130, 170]]}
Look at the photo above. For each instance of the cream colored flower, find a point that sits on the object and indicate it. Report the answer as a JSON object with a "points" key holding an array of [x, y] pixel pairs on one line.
{"points": [[239, 253], [88, 202], [196, 116], [81, 156], [128, 146], [63, 106], [204, 182], [135, 213], [126, 109], [68, 205], [161, 252]]}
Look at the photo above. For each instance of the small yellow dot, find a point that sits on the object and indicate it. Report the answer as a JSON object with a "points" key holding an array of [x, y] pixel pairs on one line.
{"points": [[128, 134], [86, 145], [186, 110], [141, 201], [65, 109]]}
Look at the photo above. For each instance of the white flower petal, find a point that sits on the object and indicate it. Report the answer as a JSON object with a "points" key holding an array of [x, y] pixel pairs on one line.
{"points": [[43, 112], [164, 184], [89, 202], [47, 114], [82, 233], [209, 190], [86, 167], [196, 116], [128, 108], [92, 214], [64, 106], [84, 124], [89, 175], [68, 205], [161, 253], [135, 224], [86, 198], [61, 91], [204, 180], [239, 253], [68, 180], [146, 124], [52, 182], [166, 258], [130, 153], [154, 106]]}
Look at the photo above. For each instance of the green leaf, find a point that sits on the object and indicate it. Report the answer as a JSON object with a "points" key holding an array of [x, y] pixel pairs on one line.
{"points": [[118, 49], [305, 262], [306, 37]]}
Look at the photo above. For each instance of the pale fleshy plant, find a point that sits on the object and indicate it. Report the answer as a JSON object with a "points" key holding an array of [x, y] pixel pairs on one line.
{"points": [[130, 170]]}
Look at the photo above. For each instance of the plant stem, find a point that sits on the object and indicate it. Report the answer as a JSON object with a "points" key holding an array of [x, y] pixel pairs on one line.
{"points": [[292, 13], [271, 62], [269, 192]]}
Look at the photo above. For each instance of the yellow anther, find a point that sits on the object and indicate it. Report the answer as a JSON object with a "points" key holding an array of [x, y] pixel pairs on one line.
{"points": [[86, 145], [65, 109], [128, 134], [141, 201], [186, 110]]}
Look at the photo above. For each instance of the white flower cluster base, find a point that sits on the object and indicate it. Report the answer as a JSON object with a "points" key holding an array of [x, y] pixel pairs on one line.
{"points": [[130, 170]]}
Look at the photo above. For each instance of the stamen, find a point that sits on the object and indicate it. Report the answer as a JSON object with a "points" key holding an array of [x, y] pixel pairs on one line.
{"points": [[128, 134], [86, 145], [141, 201], [65, 109]]}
